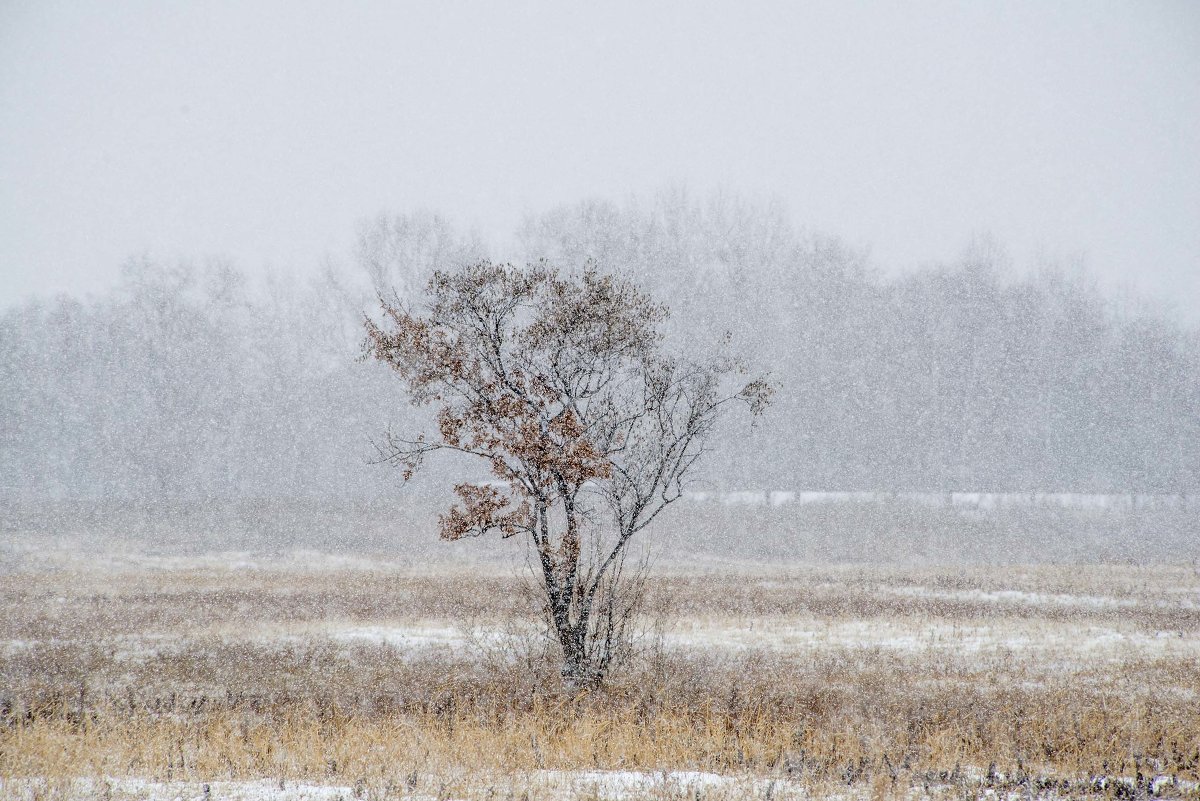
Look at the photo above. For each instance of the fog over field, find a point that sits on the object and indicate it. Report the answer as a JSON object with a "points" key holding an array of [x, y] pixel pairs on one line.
{"points": [[477, 401], [955, 397]]}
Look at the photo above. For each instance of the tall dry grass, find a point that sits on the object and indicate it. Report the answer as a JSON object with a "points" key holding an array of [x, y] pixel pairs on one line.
{"points": [[90, 691]]}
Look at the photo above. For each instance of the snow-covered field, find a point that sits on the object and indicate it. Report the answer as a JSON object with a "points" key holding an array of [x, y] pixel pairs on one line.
{"points": [[583, 785], [1047, 614], [1078, 646], [966, 500], [591, 784], [1113, 641]]}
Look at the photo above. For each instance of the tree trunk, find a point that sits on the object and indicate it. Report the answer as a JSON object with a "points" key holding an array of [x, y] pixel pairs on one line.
{"points": [[577, 670]]}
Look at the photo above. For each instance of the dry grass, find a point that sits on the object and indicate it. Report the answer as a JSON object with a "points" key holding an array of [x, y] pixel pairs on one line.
{"points": [[64, 604], [148, 674]]}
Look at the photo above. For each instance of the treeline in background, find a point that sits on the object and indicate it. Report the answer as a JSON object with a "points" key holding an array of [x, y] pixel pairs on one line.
{"points": [[193, 383]]}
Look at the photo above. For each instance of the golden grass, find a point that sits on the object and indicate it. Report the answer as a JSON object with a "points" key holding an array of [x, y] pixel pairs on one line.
{"points": [[78, 700], [841, 718]]}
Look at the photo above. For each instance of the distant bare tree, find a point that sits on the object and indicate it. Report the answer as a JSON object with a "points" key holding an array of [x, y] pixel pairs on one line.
{"points": [[561, 386]]}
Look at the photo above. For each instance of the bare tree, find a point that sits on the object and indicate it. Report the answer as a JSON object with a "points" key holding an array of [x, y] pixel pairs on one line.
{"points": [[561, 386]]}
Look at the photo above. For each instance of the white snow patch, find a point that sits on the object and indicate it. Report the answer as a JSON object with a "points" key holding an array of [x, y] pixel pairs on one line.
{"points": [[619, 783], [403, 637], [1090, 643], [1014, 597], [146, 790], [592, 784]]}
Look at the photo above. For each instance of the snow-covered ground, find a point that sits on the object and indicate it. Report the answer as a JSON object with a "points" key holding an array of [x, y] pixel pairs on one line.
{"points": [[591, 785], [136, 605], [965, 500], [1048, 639], [1087, 641], [1059, 642], [1069, 616], [594, 784]]}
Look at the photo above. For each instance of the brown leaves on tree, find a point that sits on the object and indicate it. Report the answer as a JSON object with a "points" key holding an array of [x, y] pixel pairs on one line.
{"points": [[483, 509]]}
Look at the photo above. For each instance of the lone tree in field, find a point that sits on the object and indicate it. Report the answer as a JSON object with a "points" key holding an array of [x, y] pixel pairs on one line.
{"points": [[560, 384]]}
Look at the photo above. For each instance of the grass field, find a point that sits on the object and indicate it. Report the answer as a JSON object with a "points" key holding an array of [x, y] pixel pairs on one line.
{"points": [[310, 676]]}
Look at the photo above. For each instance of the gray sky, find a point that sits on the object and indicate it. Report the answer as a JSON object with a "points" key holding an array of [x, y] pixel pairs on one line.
{"points": [[265, 131]]}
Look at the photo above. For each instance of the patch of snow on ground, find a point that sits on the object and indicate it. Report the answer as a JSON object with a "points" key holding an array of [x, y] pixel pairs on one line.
{"points": [[593, 784], [566, 785], [1015, 597], [143, 790], [402, 637], [784, 634], [900, 634], [621, 783]]}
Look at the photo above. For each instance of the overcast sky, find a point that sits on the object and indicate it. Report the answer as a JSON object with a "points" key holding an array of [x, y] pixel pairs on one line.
{"points": [[265, 131]]}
